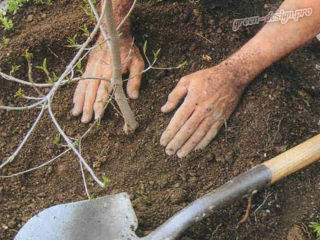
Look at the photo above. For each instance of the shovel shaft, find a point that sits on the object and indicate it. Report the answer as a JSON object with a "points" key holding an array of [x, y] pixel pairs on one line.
{"points": [[294, 159], [245, 184], [242, 185]]}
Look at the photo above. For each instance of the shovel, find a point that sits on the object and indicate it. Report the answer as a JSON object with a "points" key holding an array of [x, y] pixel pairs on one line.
{"points": [[112, 217]]}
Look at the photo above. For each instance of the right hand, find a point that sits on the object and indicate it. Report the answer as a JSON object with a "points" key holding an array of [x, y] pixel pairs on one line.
{"points": [[91, 95], [210, 96]]}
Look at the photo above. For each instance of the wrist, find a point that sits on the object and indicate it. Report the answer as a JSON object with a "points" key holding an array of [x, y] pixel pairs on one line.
{"points": [[123, 40], [239, 74], [120, 11]]}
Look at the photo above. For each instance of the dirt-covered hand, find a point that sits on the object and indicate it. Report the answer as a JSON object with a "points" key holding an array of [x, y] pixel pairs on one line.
{"points": [[91, 95], [211, 96]]}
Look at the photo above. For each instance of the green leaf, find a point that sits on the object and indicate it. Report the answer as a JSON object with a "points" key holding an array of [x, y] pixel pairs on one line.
{"points": [[72, 41], [105, 181], [13, 6], [7, 23], [57, 139], [44, 66], [182, 64], [44, 63], [5, 40], [14, 68], [98, 123], [76, 144], [145, 47], [19, 93], [79, 67], [155, 54], [54, 77], [316, 228], [27, 55], [84, 30]]}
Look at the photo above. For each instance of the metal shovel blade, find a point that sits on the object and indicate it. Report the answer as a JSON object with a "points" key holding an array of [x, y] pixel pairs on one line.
{"points": [[107, 218]]}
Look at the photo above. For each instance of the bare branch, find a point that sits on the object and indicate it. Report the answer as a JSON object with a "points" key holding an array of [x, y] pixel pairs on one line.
{"points": [[68, 141], [12, 157], [128, 14], [30, 76], [130, 122], [24, 107], [37, 167]]}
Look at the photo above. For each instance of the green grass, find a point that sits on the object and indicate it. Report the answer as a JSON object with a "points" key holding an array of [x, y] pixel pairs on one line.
{"points": [[316, 229]]}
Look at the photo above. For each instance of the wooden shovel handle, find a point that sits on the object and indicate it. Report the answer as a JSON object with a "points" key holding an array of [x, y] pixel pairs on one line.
{"points": [[294, 159]]}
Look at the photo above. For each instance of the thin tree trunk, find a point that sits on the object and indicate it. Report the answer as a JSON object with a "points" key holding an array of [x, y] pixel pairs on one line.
{"points": [[130, 122]]}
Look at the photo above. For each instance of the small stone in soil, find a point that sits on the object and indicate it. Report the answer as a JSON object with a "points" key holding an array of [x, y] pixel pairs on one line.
{"points": [[177, 195], [30, 18], [12, 223]]}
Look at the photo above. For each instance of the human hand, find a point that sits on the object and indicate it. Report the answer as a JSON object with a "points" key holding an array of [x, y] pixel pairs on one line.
{"points": [[211, 95], [91, 95]]}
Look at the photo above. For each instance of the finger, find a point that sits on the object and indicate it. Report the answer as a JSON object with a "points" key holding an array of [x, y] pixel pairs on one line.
{"points": [[177, 121], [78, 98], [185, 132], [175, 96], [102, 98], [134, 82], [196, 137], [91, 93], [211, 134]]}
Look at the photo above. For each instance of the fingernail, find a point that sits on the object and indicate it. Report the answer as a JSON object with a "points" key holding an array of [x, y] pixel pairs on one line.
{"points": [[164, 108], [74, 112], [85, 118], [97, 116], [199, 148], [134, 94], [181, 154], [170, 151]]}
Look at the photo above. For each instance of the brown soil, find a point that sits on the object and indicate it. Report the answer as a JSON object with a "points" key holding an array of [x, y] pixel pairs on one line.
{"points": [[279, 110]]}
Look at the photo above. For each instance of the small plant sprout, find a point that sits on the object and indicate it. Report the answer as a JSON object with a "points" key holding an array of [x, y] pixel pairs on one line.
{"points": [[19, 93], [105, 181], [4, 42], [316, 228], [144, 48], [84, 30], [44, 68], [27, 55], [14, 68], [72, 42], [14, 5], [98, 123], [183, 64], [88, 9], [7, 23], [54, 77], [57, 139], [79, 67]]}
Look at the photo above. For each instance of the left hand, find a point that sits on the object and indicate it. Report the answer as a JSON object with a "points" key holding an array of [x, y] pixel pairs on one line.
{"points": [[211, 96]]}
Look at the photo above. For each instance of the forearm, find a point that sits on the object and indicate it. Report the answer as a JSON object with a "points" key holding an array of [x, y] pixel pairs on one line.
{"points": [[275, 40], [120, 10]]}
